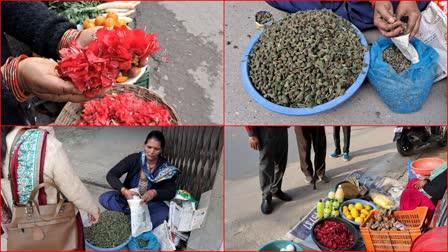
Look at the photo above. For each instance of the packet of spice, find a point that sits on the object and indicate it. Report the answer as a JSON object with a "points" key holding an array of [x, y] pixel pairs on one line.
{"points": [[98, 65]]}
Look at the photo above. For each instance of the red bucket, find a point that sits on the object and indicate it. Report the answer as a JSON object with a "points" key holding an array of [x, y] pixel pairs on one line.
{"points": [[434, 240], [424, 166]]}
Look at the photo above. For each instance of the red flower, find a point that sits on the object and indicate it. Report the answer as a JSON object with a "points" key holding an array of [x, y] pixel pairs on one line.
{"points": [[98, 65], [123, 109]]}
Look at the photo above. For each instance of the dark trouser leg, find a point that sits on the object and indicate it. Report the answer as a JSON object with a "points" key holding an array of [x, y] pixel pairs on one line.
{"points": [[159, 212], [114, 201], [281, 158], [347, 131], [304, 145], [337, 139], [267, 166], [320, 149]]}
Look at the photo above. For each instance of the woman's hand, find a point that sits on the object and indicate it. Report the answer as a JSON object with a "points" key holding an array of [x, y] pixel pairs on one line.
{"points": [[128, 194], [384, 20], [254, 142], [410, 9], [38, 76], [420, 183], [93, 218], [149, 195]]}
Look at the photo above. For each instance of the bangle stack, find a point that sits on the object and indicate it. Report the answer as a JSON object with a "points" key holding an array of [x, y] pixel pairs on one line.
{"points": [[11, 77], [69, 36]]}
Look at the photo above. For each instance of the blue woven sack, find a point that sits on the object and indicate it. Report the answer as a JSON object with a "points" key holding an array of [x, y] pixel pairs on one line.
{"points": [[149, 238], [405, 92]]}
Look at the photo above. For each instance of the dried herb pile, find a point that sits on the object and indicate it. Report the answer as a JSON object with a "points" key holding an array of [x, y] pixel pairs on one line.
{"points": [[306, 59], [394, 57], [263, 17], [112, 230]]}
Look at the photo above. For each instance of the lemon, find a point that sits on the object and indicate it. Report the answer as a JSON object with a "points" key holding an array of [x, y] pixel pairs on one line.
{"points": [[367, 207], [349, 217], [364, 211], [354, 213], [345, 208], [359, 206], [363, 215], [359, 219], [350, 206]]}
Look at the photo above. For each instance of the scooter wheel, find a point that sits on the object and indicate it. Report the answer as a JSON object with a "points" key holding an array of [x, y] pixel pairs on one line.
{"points": [[404, 146]]}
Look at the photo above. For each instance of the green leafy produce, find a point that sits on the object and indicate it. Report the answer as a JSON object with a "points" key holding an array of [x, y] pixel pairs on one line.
{"points": [[112, 230], [76, 12]]}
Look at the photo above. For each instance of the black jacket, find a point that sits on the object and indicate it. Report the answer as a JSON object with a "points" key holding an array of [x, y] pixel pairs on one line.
{"points": [[166, 190]]}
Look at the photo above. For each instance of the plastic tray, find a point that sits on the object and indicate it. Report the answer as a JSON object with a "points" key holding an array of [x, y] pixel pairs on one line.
{"points": [[354, 201]]}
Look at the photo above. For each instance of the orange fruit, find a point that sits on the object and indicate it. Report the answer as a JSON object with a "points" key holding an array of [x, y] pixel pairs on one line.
{"points": [[87, 23], [122, 79], [122, 22], [112, 15], [99, 21], [90, 25], [109, 22]]}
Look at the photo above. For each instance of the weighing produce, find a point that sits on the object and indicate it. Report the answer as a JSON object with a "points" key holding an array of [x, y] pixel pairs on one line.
{"points": [[333, 234], [306, 59], [112, 229]]}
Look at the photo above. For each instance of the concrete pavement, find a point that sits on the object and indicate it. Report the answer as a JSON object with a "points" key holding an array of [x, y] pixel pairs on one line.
{"points": [[364, 107], [190, 35], [247, 228]]}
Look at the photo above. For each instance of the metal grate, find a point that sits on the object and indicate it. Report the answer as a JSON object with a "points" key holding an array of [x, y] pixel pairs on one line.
{"points": [[197, 152]]}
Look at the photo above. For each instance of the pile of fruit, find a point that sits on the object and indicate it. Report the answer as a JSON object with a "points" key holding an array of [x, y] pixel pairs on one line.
{"points": [[110, 20], [356, 212]]}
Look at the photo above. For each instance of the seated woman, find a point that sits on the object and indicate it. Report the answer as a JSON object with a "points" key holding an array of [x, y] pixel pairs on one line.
{"points": [[425, 192], [150, 173]]}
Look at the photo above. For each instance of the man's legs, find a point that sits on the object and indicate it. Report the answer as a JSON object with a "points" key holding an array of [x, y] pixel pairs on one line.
{"points": [[304, 145], [337, 142], [281, 158], [320, 150]]}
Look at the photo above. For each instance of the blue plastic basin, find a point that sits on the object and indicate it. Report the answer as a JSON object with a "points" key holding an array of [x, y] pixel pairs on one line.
{"points": [[354, 201], [120, 246], [279, 244], [301, 111]]}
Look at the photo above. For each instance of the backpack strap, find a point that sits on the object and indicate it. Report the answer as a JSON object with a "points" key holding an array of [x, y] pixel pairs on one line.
{"points": [[14, 164]]}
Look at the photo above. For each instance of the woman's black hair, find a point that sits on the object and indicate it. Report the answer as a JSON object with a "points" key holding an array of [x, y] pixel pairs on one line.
{"points": [[158, 135]]}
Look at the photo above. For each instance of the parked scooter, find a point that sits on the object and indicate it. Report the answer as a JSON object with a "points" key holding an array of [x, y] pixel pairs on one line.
{"points": [[412, 139]]}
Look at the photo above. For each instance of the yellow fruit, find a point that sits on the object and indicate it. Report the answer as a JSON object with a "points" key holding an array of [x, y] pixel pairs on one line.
{"points": [[359, 206], [346, 213], [349, 217], [345, 208], [367, 207], [363, 215], [350, 206], [364, 211], [354, 213], [359, 219]]}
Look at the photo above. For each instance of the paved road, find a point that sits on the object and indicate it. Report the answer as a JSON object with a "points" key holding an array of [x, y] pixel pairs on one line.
{"points": [[247, 228], [365, 107], [191, 38]]}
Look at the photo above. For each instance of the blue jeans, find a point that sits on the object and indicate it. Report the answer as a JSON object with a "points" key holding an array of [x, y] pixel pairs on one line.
{"points": [[114, 201]]}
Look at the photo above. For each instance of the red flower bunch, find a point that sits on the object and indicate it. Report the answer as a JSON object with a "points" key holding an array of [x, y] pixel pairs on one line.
{"points": [[98, 65], [123, 109]]}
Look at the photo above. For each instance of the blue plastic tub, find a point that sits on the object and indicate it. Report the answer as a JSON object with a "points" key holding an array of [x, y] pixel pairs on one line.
{"points": [[122, 245], [354, 201], [279, 244], [301, 111]]}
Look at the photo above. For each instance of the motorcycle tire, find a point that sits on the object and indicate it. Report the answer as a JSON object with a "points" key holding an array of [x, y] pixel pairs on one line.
{"points": [[404, 147]]}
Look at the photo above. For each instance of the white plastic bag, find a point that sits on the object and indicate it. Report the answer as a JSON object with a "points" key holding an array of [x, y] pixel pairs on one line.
{"points": [[433, 32], [140, 218]]}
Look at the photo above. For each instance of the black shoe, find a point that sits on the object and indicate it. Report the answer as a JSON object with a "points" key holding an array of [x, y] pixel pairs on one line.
{"points": [[266, 206], [282, 196]]}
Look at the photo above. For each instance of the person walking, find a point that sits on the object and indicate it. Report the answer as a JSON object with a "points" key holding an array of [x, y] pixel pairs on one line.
{"points": [[272, 144]]}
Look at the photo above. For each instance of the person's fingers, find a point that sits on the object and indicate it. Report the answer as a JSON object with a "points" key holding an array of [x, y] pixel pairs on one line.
{"points": [[414, 30], [143, 62], [64, 98], [386, 14], [56, 85], [392, 33]]}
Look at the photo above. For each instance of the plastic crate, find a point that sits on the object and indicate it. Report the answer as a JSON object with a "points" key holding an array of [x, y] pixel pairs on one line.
{"points": [[395, 240]]}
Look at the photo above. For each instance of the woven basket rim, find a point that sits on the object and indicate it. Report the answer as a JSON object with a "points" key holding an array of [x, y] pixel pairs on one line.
{"points": [[72, 111]]}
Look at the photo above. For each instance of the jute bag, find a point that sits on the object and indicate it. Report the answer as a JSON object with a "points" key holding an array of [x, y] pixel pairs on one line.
{"points": [[43, 227]]}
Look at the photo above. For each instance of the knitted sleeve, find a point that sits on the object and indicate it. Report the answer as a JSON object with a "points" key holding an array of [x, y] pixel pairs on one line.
{"points": [[35, 25]]}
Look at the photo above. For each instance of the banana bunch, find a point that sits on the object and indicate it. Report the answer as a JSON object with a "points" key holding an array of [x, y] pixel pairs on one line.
{"points": [[381, 200]]}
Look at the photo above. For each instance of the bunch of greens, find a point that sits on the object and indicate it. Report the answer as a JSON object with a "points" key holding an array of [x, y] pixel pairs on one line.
{"points": [[76, 12]]}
